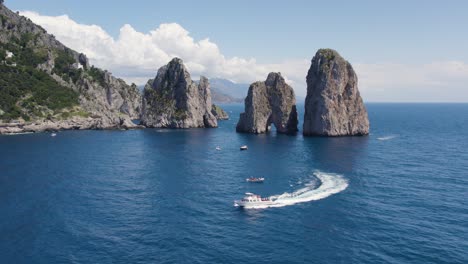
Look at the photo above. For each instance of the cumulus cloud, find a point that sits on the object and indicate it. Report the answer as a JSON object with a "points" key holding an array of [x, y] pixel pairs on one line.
{"points": [[136, 56]]}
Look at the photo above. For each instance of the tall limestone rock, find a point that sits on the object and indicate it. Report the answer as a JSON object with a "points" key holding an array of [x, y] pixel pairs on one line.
{"points": [[173, 100], [333, 106], [269, 102]]}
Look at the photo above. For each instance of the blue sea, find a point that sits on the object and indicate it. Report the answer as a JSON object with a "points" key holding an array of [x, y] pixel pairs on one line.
{"points": [[398, 195]]}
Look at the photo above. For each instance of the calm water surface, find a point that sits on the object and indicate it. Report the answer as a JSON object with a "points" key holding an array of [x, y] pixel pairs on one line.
{"points": [[166, 196]]}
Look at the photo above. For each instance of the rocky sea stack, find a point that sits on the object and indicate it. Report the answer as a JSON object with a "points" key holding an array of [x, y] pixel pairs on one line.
{"points": [[173, 100], [269, 102], [333, 106]]}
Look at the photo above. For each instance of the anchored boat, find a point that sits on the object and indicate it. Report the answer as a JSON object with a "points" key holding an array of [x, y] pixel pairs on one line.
{"points": [[253, 179], [244, 147]]}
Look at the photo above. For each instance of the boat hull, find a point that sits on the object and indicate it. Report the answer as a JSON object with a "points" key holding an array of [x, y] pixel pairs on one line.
{"points": [[255, 180], [253, 205]]}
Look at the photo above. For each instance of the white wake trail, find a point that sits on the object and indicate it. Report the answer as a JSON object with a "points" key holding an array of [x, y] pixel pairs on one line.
{"points": [[330, 184], [387, 137]]}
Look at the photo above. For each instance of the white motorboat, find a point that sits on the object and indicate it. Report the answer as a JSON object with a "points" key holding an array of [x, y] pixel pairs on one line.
{"points": [[218, 148], [253, 179], [244, 147], [53, 135], [254, 201]]}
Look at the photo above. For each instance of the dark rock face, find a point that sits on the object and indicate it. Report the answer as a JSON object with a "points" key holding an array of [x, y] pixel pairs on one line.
{"points": [[219, 113], [269, 102], [173, 100], [333, 106], [83, 61]]}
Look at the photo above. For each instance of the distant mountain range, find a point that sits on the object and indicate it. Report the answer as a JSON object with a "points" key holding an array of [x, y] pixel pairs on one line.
{"points": [[218, 97], [226, 91]]}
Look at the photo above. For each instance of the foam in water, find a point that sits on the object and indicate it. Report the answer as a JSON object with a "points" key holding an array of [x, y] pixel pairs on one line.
{"points": [[15, 134], [386, 137], [330, 184]]}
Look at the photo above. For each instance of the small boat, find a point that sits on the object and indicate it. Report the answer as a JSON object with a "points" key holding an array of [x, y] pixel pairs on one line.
{"points": [[255, 201], [53, 135], [244, 147], [253, 179], [218, 148]]}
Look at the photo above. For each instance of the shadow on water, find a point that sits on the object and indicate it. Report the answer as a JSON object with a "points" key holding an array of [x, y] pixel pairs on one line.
{"points": [[176, 154], [336, 154]]}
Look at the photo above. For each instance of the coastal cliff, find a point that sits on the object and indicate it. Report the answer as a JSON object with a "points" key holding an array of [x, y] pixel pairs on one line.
{"points": [[46, 86], [269, 102], [333, 106], [173, 100]]}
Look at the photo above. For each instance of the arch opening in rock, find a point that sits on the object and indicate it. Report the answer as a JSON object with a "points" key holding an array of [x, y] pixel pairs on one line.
{"points": [[269, 102]]}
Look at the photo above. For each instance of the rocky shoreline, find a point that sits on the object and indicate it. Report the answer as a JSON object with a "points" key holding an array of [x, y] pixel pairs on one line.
{"points": [[77, 123]]}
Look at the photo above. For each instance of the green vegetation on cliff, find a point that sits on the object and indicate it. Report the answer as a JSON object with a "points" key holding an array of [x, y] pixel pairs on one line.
{"points": [[97, 75], [329, 54], [2, 20], [64, 66], [42, 78], [23, 52], [26, 90]]}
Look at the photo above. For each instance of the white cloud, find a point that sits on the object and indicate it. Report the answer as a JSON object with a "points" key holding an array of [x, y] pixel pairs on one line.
{"points": [[136, 56], [445, 81]]}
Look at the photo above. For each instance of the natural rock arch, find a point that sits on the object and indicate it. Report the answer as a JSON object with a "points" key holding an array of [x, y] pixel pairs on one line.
{"points": [[277, 121], [269, 102]]}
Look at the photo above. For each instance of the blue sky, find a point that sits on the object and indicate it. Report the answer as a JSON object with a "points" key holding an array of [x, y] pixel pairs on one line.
{"points": [[366, 31], [407, 33]]}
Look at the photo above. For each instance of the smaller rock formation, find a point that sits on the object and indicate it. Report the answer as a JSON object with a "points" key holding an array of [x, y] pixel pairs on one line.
{"points": [[333, 106], [269, 102], [173, 100], [219, 113]]}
